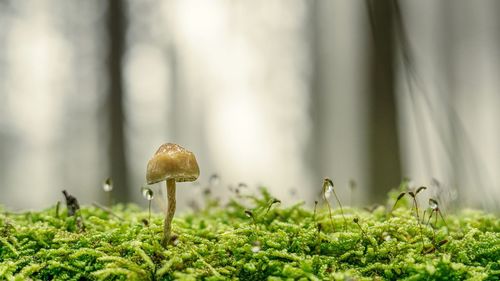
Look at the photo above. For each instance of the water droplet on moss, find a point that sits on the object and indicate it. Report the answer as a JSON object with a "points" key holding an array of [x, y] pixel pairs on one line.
{"points": [[387, 236], [249, 213], [328, 189], [433, 204], [147, 193], [256, 247], [107, 185], [174, 240]]}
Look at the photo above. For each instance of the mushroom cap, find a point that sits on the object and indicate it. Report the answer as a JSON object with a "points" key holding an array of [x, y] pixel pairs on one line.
{"points": [[172, 161]]}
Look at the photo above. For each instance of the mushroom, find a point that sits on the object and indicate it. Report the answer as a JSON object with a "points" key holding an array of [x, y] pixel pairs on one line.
{"points": [[171, 163]]}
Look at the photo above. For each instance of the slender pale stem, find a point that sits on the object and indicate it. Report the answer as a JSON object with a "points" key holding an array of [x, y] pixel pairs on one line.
{"points": [[442, 217], [430, 216], [329, 210], [314, 214], [149, 209], [418, 220], [341, 210], [107, 210], [167, 225], [415, 203]]}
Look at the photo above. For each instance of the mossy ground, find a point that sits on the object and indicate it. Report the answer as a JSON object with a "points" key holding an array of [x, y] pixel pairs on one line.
{"points": [[224, 243]]}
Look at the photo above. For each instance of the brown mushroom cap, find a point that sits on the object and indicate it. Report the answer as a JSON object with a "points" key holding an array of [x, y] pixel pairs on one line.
{"points": [[172, 161]]}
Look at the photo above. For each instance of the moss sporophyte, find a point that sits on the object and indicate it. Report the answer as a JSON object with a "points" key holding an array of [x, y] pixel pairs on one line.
{"points": [[251, 237]]}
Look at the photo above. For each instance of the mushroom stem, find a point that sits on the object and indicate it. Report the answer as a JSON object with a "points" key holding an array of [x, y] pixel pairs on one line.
{"points": [[167, 224]]}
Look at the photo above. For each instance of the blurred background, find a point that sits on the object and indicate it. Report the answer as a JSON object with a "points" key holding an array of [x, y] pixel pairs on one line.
{"points": [[277, 93]]}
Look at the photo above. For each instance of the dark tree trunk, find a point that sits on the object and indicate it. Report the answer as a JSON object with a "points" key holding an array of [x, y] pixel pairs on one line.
{"points": [[116, 149], [385, 166]]}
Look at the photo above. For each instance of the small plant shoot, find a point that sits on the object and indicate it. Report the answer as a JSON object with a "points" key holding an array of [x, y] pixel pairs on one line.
{"points": [[326, 192], [148, 194], [328, 189], [420, 189], [315, 210], [71, 203], [356, 221], [401, 195], [434, 206], [271, 203], [415, 205], [74, 210]]}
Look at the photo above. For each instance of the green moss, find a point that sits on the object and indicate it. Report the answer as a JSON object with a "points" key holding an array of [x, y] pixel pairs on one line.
{"points": [[220, 243]]}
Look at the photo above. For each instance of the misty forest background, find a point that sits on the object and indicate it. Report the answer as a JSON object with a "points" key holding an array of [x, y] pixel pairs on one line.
{"points": [[279, 93]]}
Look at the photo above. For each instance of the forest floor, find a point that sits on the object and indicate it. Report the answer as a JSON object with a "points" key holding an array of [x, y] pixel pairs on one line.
{"points": [[251, 238]]}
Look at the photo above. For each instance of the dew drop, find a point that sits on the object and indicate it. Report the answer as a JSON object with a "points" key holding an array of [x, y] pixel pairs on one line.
{"points": [[174, 240], [387, 236], [328, 187], [214, 180], [147, 193], [107, 185], [433, 204], [249, 213], [328, 193], [256, 247]]}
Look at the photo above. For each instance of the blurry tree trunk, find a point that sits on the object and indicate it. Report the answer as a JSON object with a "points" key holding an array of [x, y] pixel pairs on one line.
{"points": [[114, 106], [385, 167], [314, 154], [447, 55]]}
